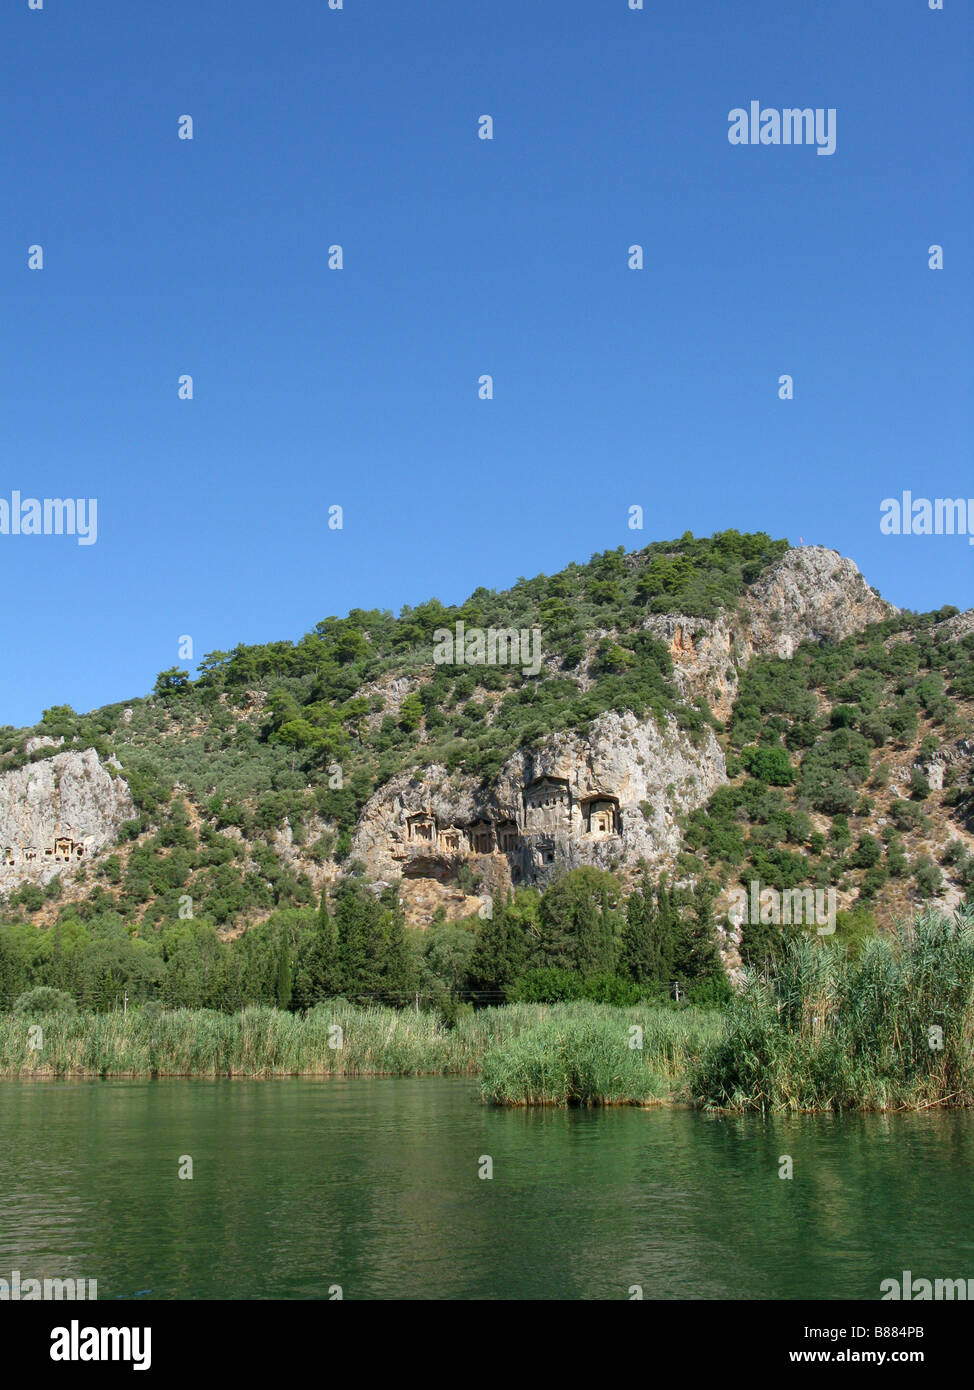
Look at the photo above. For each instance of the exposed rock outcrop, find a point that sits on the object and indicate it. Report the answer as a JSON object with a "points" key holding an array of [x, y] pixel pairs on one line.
{"points": [[612, 798], [607, 799], [55, 814], [959, 626], [810, 595], [934, 768]]}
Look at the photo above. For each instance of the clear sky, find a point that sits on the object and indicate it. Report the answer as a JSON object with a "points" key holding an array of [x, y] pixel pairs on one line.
{"points": [[462, 256]]}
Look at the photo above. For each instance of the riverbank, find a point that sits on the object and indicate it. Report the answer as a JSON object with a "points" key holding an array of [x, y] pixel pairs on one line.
{"points": [[639, 1052], [889, 1029], [601, 1057], [819, 1030]]}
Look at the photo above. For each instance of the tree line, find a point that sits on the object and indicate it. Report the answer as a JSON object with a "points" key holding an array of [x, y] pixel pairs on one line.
{"points": [[580, 938]]}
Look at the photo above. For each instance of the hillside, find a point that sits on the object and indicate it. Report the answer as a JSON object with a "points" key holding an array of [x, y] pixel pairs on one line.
{"points": [[727, 709]]}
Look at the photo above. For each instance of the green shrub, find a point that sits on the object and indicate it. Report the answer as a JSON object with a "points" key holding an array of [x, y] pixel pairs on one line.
{"points": [[44, 1002]]}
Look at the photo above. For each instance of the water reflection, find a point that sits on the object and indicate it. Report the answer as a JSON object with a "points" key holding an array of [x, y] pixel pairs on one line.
{"points": [[373, 1185]]}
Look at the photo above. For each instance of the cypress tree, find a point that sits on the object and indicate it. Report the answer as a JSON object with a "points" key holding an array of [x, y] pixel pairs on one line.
{"points": [[492, 965], [398, 976], [697, 954], [576, 924], [487, 968], [761, 943], [554, 944], [640, 954], [667, 929], [57, 971], [7, 975], [361, 943], [589, 945], [283, 990], [316, 976], [608, 922]]}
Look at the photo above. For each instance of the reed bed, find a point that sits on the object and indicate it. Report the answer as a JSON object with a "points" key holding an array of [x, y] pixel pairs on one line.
{"points": [[265, 1042], [890, 1030], [594, 1055], [256, 1042]]}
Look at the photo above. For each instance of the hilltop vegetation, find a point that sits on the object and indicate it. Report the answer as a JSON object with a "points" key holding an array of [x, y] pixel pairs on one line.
{"points": [[249, 779], [827, 751], [298, 735]]}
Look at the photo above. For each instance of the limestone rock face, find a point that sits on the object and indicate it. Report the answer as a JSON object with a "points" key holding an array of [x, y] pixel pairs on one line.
{"points": [[56, 814], [294, 856], [960, 625], [42, 741], [708, 656], [611, 798], [810, 595], [607, 799]]}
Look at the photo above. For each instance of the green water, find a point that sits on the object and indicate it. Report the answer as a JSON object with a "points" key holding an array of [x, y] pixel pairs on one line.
{"points": [[373, 1185]]}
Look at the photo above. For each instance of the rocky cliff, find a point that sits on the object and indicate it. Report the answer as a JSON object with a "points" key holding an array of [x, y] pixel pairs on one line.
{"points": [[609, 793], [810, 595], [611, 798], [56, 814], [608, 799]]}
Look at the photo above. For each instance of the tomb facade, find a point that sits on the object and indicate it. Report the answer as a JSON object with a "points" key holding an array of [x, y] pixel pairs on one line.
{"points": [[600, 816], [547, 805], [508, 836], [481, 836], [422, 828], [64, 850]]}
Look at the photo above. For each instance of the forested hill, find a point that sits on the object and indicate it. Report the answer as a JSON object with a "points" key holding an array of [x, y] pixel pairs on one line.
{"points": [[250, 739], [706, 712]]}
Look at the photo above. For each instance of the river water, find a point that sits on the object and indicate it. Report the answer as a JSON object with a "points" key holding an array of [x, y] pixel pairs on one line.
{"points": [[373, 1186]]}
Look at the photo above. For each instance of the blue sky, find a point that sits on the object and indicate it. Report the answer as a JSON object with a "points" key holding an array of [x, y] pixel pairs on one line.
{"points": [[358, 387]]}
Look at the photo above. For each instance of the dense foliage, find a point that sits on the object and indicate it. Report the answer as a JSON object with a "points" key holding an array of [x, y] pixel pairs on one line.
{"points": [[823, 1030], [811, 741], [578, 939]]}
